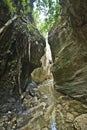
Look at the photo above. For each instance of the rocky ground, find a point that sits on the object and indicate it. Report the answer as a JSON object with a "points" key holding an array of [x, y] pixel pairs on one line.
{"points": [[50, 110]]}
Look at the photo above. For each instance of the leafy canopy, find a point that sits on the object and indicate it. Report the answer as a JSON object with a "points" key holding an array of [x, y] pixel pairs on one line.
{"points": [[23, 5], [10, 5], [46, 14]]}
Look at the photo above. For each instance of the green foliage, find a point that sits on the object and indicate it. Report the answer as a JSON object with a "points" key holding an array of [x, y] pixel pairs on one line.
{"points": [[31, 27], [10, 5], [26, 6], [24, 3], [50, 10]]}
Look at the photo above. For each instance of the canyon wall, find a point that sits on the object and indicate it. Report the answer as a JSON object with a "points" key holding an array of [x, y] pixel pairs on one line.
{"points": [[21, 47], [68, 41]]}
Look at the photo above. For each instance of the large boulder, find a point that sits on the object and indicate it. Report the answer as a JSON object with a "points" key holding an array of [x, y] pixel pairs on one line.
{"points": [[68, 40], [80, 122], [42, 73], [21, 47], [39, 75]]}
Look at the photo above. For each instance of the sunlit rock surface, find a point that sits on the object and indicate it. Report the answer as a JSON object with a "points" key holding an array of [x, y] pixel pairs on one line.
{"points": [[44, 72], [68, 40]]}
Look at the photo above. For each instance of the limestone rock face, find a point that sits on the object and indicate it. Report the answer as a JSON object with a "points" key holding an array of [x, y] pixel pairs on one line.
{"points": [[68, 40], [21, 48]]}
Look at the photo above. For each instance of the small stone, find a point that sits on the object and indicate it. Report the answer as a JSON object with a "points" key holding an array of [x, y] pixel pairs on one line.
{"points": [[84, 106], [9, 112], [61, 97], [35, 99], [11, 100], [75, 113], [13, 127], [59, 107], [45, 129], [66, 106], [31, 105], [69, 117], [9, 122], [45, 97]]}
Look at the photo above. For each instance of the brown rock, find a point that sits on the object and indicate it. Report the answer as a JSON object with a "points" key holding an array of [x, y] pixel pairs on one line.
{"points": [[80, 122], [39, 75], [45, 129], [69, 117]]}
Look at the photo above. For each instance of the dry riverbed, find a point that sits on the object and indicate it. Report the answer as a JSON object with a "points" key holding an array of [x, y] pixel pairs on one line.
{"points": [[49, 111]]}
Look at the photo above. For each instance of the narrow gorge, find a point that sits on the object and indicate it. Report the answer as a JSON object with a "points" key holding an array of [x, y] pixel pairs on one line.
{"points": [[43, 79]]}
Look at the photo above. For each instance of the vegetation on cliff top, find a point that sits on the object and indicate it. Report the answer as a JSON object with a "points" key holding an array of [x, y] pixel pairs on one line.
{"points": [[45, 12]]}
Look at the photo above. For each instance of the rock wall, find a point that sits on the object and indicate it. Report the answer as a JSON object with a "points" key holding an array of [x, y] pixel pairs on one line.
{"points": [[68, 40], [21, 47]]}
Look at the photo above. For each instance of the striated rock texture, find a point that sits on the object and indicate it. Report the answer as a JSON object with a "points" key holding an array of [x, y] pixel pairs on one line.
{"points": [[68, 40], [21, 47]]}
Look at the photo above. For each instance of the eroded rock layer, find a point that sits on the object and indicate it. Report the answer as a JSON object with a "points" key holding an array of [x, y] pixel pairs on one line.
{"points": [[68, 40]]}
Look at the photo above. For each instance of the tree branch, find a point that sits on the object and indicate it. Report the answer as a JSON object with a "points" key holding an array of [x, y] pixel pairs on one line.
{"points": [[8, 23]]}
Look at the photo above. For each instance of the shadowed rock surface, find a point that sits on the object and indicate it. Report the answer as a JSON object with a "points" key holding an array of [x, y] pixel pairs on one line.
{"points": [[68, 41], [21, 48]]}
